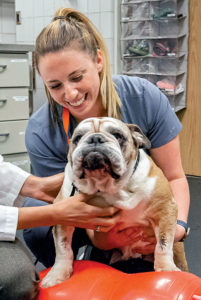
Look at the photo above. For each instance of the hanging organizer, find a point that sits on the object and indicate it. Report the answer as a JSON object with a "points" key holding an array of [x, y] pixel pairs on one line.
{"points": [[154, 45]]}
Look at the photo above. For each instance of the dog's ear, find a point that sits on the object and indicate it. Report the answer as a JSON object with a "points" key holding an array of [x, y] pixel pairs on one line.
{"points": [[140, 140]]}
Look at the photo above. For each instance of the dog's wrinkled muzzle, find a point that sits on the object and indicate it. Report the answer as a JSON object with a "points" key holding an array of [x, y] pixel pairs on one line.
{"points": [[95, 160]]}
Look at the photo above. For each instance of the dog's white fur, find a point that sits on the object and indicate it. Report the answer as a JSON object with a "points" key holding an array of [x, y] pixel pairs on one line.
{"points": [[143, 195]]}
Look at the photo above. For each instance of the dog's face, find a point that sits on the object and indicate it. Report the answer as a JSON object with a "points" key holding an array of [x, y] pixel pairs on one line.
{"points": [[102, 153]]}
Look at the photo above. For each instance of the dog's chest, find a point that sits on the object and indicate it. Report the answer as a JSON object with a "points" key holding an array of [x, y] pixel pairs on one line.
{"points": [[134, 206], [134, 217]]}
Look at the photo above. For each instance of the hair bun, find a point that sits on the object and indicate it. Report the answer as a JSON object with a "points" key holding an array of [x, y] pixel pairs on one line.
{"points": [[59, 18]]}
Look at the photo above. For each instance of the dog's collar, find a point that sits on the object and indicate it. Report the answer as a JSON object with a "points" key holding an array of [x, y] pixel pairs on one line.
{"points": [[136, 162], [73, 190]]}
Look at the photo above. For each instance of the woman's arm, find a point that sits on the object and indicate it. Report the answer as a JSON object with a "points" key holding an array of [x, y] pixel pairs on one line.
{"points": [[72, 211], [168, 158], [42, 188]]}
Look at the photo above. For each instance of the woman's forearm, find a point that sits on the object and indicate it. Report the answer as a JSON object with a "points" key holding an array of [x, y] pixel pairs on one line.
{"points": [[42, 188], [181, 194], [72, 211], [29, 217]]}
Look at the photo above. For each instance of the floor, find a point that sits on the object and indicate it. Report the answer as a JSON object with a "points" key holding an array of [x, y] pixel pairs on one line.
{"points": [[193, 242]]}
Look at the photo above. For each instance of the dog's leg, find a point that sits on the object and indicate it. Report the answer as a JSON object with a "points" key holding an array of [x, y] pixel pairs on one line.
{"points": [[180, 257], [163, 260], [63, 267]]}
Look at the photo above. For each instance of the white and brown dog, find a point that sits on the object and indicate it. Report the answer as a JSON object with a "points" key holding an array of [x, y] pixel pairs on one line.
{"points": [[105, 160]]}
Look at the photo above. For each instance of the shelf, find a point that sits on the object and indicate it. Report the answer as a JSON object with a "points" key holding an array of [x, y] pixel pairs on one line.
{"points": [[16, 48], [139, 1], [154, 73], [127, 20], [127, 56], [153, 37]]}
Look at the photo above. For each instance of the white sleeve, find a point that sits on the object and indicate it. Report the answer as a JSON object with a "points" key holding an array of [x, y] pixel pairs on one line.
{"points": [[8, 223], [12, 179]]}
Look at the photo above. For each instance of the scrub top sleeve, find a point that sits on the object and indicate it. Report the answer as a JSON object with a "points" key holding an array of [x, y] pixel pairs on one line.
{"points": [[161, 119], [42, 150]]}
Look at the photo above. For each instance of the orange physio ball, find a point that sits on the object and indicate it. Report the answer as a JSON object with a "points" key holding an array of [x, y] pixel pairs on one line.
{"points": [[96, 281]]}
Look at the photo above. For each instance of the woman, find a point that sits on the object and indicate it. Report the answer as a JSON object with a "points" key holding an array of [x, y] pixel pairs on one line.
{"points": [[72, 60], [18, 278]]}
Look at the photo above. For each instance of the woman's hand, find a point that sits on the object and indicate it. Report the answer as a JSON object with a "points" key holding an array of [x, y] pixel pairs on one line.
{"points": [[180, 233], [42, 188], [76, 212], [117, 238]]}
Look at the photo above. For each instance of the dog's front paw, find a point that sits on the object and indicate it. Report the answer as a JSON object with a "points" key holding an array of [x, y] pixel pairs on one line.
{"points": [[55, 276], [165, 266]]}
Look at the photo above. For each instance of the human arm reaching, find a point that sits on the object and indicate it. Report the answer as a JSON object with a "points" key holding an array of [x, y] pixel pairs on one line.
{"points": [[73, 211]]}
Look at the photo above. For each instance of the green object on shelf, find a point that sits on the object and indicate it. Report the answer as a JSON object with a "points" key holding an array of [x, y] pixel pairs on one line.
{"points": [[164, 13], [138, 48]]}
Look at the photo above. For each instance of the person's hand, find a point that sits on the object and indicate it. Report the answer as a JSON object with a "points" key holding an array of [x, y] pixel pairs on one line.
{"points": [[74, 211], [117, 238], [180, 233], [42, 188]]}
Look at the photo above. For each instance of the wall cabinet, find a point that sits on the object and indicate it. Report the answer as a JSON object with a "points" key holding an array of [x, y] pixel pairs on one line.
{"points": [[15, 84], [154, 44]]}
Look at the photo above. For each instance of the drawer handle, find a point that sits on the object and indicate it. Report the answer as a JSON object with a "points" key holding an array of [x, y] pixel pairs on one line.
{"points": [[5, 134], [3, 100], [3, 67]]}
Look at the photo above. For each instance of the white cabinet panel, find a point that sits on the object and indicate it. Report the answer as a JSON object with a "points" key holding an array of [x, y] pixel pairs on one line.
{"points": [[14, 104], [14, 70], [12, 135]]}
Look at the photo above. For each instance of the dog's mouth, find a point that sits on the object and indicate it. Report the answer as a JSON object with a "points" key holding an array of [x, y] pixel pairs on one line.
{"points": [[97, 164]]}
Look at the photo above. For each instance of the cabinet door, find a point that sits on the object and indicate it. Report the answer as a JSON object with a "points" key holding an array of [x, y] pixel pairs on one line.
{"points": [[12, 134], [14, 104], [14, 70]]}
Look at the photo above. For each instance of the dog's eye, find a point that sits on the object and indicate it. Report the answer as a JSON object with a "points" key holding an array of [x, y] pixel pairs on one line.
{"points": [[118, 136], [77, 139]]}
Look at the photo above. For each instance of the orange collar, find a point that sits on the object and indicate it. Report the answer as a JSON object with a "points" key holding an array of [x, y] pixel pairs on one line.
{"points": [[66, 121]]}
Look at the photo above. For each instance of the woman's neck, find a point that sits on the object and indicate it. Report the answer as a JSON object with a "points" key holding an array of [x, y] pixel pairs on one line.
{"points": [[96, 113]]}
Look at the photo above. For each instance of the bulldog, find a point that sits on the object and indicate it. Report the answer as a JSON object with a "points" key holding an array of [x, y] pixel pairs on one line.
{"points": [[106, 159]]}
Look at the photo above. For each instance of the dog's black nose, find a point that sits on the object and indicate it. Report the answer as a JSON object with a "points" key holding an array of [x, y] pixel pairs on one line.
{"points": [[94, 161], [96, 139]]}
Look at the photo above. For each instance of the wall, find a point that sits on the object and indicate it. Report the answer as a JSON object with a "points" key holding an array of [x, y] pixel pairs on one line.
{"points": [[35, 14], [7, 21], [191, 117]]}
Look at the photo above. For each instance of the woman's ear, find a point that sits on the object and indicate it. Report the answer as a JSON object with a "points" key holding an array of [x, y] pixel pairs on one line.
{"points": [[99, 61]]}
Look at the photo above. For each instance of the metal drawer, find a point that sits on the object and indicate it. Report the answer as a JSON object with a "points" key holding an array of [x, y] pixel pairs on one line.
{"points": [[14, 104], [12, 134], [14, 70], [21, 160]]}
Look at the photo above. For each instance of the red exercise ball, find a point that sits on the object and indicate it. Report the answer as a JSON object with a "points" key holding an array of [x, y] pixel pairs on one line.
{"points": [[96, 281]]}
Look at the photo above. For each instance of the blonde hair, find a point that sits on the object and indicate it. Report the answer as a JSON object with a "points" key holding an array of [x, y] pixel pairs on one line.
{"points": [[71, 28]]}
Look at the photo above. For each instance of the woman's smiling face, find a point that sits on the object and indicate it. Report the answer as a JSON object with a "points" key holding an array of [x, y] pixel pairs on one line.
{"points": [[72, 78]]}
